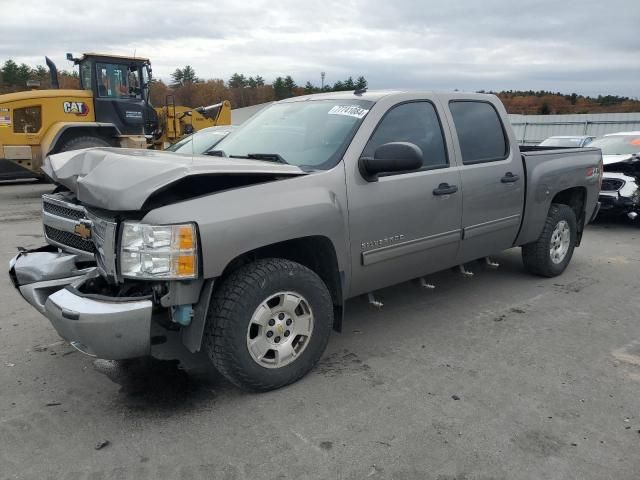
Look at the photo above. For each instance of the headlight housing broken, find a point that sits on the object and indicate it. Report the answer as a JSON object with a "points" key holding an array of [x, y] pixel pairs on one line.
{"points": [[159, 252]]}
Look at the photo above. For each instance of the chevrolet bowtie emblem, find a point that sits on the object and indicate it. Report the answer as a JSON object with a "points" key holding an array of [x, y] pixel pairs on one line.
{"points": [[83, 230]]}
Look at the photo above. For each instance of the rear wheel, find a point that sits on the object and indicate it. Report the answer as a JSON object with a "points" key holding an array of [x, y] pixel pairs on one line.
{"points": [[268, 324], [85, 141], [551, 253]]}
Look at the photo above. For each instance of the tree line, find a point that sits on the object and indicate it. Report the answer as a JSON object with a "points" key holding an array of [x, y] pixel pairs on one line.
{"points": [[242, 90], [186, 88], [14, 77]]}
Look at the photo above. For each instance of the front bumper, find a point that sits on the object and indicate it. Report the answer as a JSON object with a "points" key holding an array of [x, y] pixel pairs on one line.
{"points": [[614, 203], [106, 327]]}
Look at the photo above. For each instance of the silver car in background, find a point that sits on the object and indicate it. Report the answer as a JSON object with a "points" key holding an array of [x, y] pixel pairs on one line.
{"points": [[567, 141], [202, 141]]}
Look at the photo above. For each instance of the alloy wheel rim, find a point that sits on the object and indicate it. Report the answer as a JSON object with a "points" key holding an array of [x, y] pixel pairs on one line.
{"points": [[560, 242], [279, 329]]}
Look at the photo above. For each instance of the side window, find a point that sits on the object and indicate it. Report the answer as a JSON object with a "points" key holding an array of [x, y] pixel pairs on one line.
{"points": [[85, 75], [480, 131], [414, 122]]}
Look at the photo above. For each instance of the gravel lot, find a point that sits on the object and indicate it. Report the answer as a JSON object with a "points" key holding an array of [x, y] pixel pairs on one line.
{"points": [[503, 376]]}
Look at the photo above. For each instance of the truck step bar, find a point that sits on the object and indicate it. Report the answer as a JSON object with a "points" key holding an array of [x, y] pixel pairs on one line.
{"points": [[373, 302], [425, 284], [490, 263], [465, 273]]}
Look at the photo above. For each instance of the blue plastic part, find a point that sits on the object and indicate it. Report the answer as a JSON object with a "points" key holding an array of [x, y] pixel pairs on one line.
{"points": [[182, 314]]}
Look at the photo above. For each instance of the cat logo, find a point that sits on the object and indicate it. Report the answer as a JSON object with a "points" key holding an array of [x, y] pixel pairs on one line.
{"points": [[80, 109], [83, 230]]}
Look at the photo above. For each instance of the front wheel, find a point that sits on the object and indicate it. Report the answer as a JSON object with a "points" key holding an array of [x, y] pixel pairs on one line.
{"points": [[268, 324], [551, 253]]}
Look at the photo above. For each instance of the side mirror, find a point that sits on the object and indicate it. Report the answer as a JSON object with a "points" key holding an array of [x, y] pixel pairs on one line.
{"points": [[389, 158]]}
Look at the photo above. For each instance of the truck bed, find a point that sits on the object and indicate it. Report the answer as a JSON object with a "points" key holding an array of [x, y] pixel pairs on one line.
{"points": [[552, 170]]}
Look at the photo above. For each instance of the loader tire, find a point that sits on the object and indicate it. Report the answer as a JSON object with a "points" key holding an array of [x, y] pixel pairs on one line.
{"points": [[268, 324], [85, 141], [551, 253]]}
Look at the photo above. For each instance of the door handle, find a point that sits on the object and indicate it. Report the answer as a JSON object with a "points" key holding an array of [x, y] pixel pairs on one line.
{"points": [[510, 178], [445, 189]]}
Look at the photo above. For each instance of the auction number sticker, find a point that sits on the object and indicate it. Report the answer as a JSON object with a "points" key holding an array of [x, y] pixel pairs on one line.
{"points": [[349, 110]]}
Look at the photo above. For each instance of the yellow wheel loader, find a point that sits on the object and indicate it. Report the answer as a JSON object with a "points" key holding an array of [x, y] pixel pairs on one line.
{"points": [[112, 108]]}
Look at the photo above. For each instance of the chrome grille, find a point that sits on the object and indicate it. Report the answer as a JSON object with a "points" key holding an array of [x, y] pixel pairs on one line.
{"points": [[59, 210], [65, 220], [67, 239], [103, 233]]}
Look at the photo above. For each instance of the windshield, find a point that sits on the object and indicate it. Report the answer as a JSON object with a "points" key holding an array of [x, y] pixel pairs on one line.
{"points": [[200, 142], [562, 142], [306, 133], [618, 144]]}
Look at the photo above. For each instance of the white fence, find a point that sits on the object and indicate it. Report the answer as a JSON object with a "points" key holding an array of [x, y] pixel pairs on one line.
{"points": [[532, 129]]}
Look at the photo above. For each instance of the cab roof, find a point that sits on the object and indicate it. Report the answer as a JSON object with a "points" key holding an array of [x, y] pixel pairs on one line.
{"points": [[376, 95], [109, 55]]}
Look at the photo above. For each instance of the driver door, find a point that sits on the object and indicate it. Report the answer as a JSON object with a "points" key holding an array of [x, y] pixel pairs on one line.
{"points": [[400, 226]]}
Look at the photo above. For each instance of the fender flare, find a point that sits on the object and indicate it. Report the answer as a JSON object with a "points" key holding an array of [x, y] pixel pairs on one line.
{"points": [[51, 139]]}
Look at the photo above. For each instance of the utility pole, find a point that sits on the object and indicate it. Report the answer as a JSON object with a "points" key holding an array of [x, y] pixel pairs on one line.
{"points": [[322, 74]]}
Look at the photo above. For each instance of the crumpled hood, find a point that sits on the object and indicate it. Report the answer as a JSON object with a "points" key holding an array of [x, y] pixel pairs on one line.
{"points": [[122, 179]]}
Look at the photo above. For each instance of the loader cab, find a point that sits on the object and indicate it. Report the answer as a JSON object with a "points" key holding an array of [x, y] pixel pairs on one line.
{"points": [[120, 87]]}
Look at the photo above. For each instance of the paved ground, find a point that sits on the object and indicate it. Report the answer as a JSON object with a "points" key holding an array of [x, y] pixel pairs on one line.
{"points": [[501, 376]]}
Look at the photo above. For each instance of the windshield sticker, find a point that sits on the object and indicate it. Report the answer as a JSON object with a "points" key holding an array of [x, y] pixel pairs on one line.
{"points": [[349, 110]]}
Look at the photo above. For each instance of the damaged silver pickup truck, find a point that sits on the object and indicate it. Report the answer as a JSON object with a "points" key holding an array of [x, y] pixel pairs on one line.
{"points": [[251, 251]]}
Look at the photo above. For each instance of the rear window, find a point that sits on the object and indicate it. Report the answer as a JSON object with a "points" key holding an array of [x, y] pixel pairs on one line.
{"points": [[480, 131]]}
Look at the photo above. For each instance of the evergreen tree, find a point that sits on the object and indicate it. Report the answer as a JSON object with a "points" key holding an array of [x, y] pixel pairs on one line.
{"points": [[176, 78], [40, 73], [24, 74], [237, 81], [279, 88], [10, 73], [349, 84], [290, 85], [189, 75], [361, 83], [309, 88]]}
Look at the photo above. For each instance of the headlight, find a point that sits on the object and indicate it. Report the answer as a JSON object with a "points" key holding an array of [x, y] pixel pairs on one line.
{"points": [[158, 251]]}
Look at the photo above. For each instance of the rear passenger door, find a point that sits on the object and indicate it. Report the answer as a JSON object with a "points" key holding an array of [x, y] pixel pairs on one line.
{"points": [[492, 177]]}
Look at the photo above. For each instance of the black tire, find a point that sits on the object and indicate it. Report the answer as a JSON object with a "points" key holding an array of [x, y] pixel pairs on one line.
{"points": [[85, 141], [232, 307], [536, 256]]}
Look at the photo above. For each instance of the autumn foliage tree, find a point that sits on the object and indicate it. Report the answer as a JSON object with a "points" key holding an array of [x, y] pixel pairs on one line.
{"points": [[186, 88]]}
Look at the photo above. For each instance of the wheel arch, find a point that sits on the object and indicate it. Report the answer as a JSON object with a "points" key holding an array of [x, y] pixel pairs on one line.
{"points": [[60, 133], [316, 252], [575, 198]]}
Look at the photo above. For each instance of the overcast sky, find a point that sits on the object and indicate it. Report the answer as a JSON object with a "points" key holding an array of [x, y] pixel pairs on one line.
{"points": [[588, 47]]}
